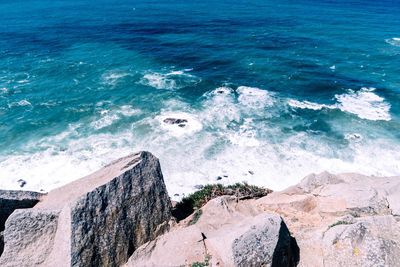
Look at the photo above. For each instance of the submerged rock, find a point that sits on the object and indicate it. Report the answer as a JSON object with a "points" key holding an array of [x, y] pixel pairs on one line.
{"points": [[99, 220]]}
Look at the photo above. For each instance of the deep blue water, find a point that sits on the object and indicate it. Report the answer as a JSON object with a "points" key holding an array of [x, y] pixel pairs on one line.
{"points": [[307, 86]]}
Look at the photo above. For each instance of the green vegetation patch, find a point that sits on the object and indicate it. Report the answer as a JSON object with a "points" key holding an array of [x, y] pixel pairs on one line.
{"points": [[196, 216], [199, 198], [205, 263], [338, 223]]}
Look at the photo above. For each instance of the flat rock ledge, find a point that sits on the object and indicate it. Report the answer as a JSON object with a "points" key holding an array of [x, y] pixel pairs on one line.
{"points": [[99, 220]]}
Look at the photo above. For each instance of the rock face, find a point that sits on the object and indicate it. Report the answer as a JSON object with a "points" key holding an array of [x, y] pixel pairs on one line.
{"points": [[99, 220], [117, 216], [236, 235], [336, 220], [266, 243], [11, 200], [341, 220]]}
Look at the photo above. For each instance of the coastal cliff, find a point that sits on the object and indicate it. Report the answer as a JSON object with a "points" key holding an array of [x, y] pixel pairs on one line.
{"points": [[121, 216]]}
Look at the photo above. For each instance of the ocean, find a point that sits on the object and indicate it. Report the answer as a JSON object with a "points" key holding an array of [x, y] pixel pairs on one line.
{"points": [[262, 91]]}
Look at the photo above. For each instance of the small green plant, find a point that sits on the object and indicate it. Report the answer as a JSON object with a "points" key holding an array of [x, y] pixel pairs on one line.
{"points": [[199, 264], [204, 263], [199, 198], [196, 216], [338, 223]]}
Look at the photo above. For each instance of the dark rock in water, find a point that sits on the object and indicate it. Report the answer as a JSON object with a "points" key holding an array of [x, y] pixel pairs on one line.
{"points": [[21, 182], [99, 220], [251, 172], [219, 178], [176, 195], [176, 121]]}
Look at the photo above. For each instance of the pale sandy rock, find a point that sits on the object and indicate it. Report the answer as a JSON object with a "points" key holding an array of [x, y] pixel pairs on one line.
{"points": [[369, 242], [237, 234], [336, 219], [11, 200], [29, 237]]}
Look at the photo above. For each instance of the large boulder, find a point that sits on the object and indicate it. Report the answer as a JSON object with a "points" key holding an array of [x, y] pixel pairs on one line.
{"points": [[11, 200], [342, 220], [222, 233], [99, 220], [367, 241]]}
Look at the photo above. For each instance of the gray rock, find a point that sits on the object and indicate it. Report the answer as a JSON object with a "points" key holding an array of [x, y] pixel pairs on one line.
{"points": [[11, 200], [369, 242], [342, 220], [267, 243], [29, 233], [1, 243], [98, 220]]}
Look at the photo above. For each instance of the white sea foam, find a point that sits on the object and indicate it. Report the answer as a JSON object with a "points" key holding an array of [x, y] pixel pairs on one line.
{"points": [[158, 81], [108, 117], [169, 81], [57, 164], [20, 103], [220, 108], [365, 103], [104, 121], [353, 137], [254, 97], [112, 77], [246, 136], [308, 105], [393, 41], [127, 110], [219, 139]]}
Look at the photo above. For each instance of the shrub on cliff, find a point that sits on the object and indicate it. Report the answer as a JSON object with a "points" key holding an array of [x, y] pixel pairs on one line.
{"points": [[199, 198]]}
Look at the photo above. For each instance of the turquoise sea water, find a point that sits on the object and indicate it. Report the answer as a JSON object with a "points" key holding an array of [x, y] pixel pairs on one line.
{"points": [[268, 91]]}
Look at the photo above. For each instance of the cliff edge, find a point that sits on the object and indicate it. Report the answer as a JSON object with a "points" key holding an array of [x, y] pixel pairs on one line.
{"points": [[121, 216]]}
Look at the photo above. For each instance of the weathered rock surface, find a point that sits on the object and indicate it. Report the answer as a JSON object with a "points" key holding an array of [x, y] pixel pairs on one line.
{"points": [[98, 220], [236, 235], [341, 220], [11, 200], [117, 216], [337, 220]]}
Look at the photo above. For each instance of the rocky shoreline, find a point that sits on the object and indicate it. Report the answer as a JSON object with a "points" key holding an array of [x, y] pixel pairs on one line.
{"points": [[121, 216]]}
